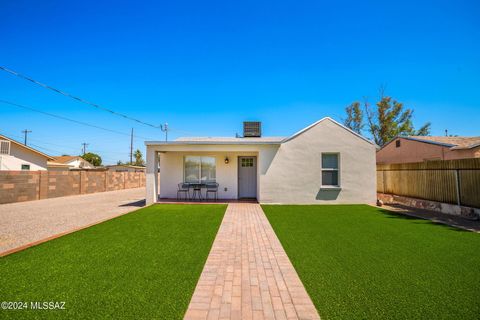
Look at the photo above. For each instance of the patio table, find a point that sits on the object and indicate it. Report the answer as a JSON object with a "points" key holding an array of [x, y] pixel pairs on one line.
{"points": [[197, 189]]}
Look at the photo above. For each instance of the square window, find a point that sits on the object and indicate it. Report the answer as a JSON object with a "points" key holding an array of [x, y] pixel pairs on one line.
{"points": [[25, 167], [247, 162], [397, 143]]}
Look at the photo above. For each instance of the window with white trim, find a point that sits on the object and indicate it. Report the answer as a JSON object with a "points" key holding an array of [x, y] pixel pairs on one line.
{"points": [[198, 169], [330, 170], [4, 147]]}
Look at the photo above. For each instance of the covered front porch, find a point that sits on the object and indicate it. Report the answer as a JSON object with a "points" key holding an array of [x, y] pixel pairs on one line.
{"points": [[233, 173], [199, 173]]}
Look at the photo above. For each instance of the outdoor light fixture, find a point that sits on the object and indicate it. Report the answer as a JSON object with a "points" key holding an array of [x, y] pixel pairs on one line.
{"points": [[226, 160]]}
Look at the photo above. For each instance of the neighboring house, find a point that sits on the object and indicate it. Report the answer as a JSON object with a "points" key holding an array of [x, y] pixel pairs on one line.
{"points": [[323, 163], [75, 162], [57, 166], [125, 168], [426, 148], [16, 156]]}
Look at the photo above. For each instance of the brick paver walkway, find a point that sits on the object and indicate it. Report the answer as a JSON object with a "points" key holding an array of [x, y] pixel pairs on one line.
{"points": [[248, 274]]}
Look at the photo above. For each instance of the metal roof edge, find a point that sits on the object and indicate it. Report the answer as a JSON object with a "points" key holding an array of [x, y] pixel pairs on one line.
{"points": [[174, 143]]}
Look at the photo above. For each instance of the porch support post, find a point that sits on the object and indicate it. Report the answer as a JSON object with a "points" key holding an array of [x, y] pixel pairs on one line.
{"points": [[151, 176]]}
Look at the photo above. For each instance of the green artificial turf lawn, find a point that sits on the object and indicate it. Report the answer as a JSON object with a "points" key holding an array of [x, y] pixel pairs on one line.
{"points": [[143, 265], [361, 262]]}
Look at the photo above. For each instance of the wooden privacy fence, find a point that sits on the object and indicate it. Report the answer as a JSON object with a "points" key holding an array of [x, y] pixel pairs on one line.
{"points": [[16, 186], [448, 181]]}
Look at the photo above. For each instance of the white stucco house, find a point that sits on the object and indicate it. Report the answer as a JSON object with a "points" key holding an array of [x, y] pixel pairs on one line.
{"points": [[15, 156], [321, 164], [74, 162]]}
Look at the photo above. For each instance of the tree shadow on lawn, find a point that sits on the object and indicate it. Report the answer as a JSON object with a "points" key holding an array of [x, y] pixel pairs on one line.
{"points": [[418, 220]]}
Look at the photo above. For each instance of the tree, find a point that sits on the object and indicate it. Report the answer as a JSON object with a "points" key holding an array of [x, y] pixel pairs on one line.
{"points": [[138, 158], [354, 119], [391, 119], [93, 158], [388, 120]]}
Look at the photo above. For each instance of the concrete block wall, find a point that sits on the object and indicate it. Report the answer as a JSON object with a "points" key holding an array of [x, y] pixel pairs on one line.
{"points": [[17, 186], [62, 183]]}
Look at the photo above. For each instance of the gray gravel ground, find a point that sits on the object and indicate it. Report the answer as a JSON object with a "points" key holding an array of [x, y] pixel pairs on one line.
{"points": [[25, 222]]}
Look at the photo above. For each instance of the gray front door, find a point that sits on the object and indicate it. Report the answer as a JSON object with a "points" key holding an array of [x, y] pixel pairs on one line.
{"points": [[247, 177]]}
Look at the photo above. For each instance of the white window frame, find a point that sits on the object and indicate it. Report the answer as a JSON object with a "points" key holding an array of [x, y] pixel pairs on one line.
{"points": [[338, 170], [200, 166], [9, 146]]}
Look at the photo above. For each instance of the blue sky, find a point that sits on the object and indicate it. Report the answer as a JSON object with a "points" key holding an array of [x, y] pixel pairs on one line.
{"points": [[204, 67]]}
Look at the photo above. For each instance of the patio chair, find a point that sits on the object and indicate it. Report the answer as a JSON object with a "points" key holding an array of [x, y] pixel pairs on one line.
{"points": [[183, 188], [212, 188]]}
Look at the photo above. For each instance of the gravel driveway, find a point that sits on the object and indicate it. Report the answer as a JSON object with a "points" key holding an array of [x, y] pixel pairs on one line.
{"points": [[26, 222]]}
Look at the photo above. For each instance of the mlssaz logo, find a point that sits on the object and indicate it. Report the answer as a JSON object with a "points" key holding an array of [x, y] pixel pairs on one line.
{"points": [[47, 305]]}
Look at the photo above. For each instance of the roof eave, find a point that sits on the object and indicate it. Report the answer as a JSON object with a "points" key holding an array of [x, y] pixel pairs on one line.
{"points": [[448, 145], [471, 146], [28, 148], [183, 143]]}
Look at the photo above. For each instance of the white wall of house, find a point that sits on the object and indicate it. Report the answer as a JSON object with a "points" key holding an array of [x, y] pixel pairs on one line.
{"points": [[171, 172], [294, 173], [19, 156], [80, 163], [286, 173]]}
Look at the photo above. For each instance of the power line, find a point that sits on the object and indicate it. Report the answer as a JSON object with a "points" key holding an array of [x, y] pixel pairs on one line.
{"points": [[68, 119], [54, 151], [31, 144], [53, 144], [46, 149], [77, 98]]}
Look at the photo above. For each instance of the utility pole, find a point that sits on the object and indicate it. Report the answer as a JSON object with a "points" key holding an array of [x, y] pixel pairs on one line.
{"points": [[26, 132], [131, 148], [164, 128], [84, 147]]}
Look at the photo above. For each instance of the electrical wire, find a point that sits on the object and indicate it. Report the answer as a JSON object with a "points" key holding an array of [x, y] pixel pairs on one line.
{"points": [[55, 151], [30, 144], [66, 94], [71, 120]]}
